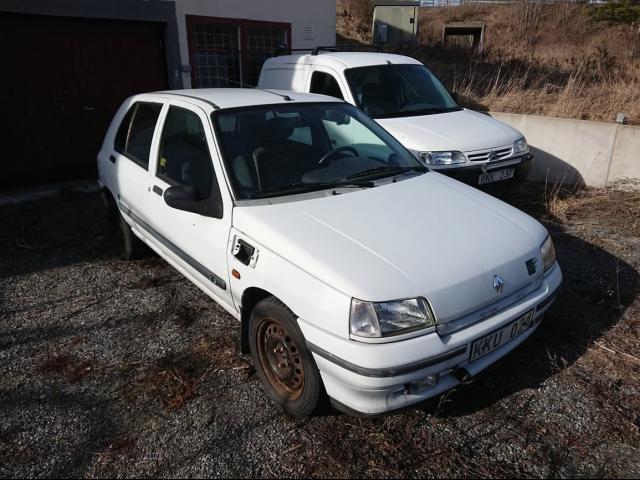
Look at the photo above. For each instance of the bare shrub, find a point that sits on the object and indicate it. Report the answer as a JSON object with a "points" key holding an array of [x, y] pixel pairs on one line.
{"points": [[569, 22], [526, 17], [362, 11], [355, 20]]}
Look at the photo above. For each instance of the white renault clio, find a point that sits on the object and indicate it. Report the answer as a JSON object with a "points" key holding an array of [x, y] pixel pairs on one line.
{"points": [[403, 96], [355, 272]]}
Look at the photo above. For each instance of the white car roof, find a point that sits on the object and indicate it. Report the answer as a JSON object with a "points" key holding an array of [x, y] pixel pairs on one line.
{"points": [[221, 98], [344, 59]]}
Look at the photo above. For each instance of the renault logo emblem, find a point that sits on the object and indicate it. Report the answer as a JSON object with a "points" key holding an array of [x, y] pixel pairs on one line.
{"points": [[498, 283]]}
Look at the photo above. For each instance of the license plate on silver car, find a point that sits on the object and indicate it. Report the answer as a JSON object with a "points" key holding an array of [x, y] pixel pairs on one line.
{"points": [[490, 343], [497, 176]]}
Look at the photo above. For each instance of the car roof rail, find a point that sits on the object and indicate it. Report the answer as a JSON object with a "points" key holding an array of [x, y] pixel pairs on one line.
{"points": [[330, 48], [346, 48], [286, 98]]}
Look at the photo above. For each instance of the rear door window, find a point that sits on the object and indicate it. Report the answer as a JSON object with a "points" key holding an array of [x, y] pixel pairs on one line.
{"points": [[135, 133]]}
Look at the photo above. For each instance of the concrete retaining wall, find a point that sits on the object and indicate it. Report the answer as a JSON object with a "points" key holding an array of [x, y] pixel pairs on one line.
{"points": [[571, 151]]}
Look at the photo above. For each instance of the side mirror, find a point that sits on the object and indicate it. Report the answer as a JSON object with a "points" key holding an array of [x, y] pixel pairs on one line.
{"points": [[184, 197]]}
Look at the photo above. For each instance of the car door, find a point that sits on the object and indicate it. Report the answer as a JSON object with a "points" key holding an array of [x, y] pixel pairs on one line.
{"points": [[184, 155], [131, 155]]}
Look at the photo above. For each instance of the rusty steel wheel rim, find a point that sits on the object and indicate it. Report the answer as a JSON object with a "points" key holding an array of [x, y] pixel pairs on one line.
{"points": [[280, 359]]}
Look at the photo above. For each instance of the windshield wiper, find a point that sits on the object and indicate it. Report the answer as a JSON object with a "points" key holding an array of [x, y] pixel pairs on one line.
{"points": [[430, 111], [415, 113], [307, 187], [385, 171]]}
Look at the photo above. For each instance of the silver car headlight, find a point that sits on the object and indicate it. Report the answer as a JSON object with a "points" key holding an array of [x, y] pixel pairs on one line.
{"points": [[548, 252], [382, 319], [520, 146], [442, 158]]}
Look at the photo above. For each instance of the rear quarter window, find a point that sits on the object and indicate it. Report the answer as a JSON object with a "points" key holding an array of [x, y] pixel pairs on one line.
{"points": [[135, 133], [285, 78]]}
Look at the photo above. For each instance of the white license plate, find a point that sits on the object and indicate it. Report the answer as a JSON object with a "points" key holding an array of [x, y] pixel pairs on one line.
{"points": [[490, 343], [497, 176]]}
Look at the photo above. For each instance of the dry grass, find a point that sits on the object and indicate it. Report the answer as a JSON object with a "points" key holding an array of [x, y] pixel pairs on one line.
{"points": [[616, 208], [533, 92], [68, 366], [552, 60], [354, 19], [118, 447], [174, 380]]}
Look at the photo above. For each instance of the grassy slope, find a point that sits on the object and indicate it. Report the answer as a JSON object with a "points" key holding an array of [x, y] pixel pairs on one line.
{"points": [[538, 59]]}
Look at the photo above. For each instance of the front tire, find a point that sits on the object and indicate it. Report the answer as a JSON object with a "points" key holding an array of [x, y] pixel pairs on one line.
{"points": [[284, 364]]}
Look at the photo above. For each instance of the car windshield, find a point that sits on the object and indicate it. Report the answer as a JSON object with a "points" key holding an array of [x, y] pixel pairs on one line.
{"points": [[282, 149], [395, 90]]}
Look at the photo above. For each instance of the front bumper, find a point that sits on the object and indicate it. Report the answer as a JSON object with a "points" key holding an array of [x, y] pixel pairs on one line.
{"points": [[372, 379], [470, 172]]}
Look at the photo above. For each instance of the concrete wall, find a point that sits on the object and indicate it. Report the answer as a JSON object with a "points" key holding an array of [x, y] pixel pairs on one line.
{"points": [[571, 151], [319, 14]]}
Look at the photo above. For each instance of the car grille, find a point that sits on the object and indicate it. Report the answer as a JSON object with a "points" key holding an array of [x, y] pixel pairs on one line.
{"points": [[498, 153], [489, 310]]}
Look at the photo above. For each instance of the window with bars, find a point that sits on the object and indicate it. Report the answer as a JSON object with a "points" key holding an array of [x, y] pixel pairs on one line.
{"points": [[229, 52]]}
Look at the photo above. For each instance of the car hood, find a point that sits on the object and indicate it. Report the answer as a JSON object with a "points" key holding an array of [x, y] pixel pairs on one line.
{"points": [[427, 236], [464, 131]]}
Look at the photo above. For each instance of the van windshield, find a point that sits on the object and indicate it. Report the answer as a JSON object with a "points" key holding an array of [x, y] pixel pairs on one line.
{"points": [[284, 149], [395, 90]]}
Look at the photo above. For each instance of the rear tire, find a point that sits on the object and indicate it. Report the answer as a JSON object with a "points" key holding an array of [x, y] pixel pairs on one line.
{"points": [[132, 247], [280, 356]]}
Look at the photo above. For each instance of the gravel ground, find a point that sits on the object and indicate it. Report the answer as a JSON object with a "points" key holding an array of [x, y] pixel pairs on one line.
{"points": [[115, 369]]}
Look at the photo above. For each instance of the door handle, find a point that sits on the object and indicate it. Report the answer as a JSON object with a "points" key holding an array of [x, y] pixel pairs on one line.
{"points": [[112, 158], [157, 189]]}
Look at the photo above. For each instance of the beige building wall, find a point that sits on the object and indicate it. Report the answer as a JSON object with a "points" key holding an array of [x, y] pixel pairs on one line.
{"points": [[313, 22]]}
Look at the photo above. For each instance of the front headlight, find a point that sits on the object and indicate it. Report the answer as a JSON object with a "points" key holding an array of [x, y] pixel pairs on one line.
{"points": [[548, 252], [382, 319], [520, 146], [442, 158]]}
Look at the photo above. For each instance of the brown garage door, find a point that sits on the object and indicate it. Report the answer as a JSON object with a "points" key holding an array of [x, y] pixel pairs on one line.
{"points": [[62, 81]]}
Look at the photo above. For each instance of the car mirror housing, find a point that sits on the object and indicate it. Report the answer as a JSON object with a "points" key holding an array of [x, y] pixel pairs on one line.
{"points": [[186, 198]]}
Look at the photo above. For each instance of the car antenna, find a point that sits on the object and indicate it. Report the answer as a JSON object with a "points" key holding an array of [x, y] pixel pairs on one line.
{"points": [[287, 98]]}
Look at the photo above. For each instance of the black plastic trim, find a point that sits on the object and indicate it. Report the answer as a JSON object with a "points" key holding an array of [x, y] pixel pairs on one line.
{"points": [[390, 371]]}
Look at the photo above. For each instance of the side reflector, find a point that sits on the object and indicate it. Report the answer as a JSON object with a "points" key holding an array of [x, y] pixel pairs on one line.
{"points": [[235, 273]]}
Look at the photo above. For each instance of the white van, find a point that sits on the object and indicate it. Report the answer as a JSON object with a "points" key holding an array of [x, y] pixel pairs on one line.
{"points": [[403, 96]]}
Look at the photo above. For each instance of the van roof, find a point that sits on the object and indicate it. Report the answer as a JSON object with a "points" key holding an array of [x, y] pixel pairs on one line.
{"points": [[344, 59]]}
